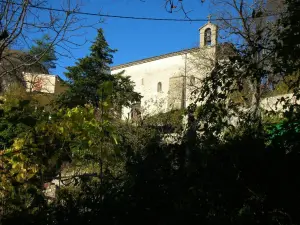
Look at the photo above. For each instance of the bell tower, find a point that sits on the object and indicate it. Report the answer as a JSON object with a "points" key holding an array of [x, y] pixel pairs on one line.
{"points": [[208, 34]]}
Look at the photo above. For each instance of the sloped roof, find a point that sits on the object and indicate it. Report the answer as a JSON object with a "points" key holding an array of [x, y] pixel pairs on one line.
{"points": [[13, 63], [15, 60], [223, 51], [150, 59]]}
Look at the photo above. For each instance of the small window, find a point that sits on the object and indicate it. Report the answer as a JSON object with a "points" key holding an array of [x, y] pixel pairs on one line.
{"points": [[142, 81], [192, 80], [159, 87]]}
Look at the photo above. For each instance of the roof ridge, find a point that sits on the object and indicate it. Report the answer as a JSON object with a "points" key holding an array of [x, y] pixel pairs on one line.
{"points": [[153, 58]]}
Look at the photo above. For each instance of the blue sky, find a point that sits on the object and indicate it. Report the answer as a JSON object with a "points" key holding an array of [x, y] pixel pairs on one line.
{"points": [[137, 39]]}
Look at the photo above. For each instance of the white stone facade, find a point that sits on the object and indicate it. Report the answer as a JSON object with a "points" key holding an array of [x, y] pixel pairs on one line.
{"points": [[166, 81], [43, 83]]}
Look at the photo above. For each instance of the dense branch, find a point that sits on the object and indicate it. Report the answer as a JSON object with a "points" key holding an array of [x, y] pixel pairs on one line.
{"points": [[22, 20]]}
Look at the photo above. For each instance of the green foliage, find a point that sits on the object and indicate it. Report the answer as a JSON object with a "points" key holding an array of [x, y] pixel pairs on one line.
{"points": [[288, 39], [16, 116], [169, 122], [287, 85], [35, 144], [20, 156], [232, 183], [44, 50], [90, 72], [272, 118], [220, 173]]}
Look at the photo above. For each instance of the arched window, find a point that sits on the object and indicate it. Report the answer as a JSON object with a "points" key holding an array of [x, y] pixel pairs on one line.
{"points": [[159, 87], [142, 81], [192, 80], [207, 37]]}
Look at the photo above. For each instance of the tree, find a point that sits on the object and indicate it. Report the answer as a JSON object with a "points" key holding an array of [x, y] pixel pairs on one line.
{"points": [[35, 144], [231, 94], [22, 155], [43, 47], [287, 41], [21, 22], [89, 73], [238, 174], [286, 45]]}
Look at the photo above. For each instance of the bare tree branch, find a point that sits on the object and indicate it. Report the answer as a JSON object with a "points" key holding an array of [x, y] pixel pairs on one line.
{"points": [[21, 20]]}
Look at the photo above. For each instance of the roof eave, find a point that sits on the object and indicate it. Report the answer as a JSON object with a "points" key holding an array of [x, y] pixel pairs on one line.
{"points": [[151, 59]]}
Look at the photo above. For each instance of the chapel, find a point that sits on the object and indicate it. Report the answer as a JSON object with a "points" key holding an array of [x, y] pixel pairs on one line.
{"points": [[167, 81]]}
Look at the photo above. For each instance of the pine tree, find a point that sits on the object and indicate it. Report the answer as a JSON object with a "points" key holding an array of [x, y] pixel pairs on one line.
{"points": [[92, 71], [43, 49]]}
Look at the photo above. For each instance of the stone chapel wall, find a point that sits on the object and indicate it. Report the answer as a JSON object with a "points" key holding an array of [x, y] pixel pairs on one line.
{"points": [[166, 81]]}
